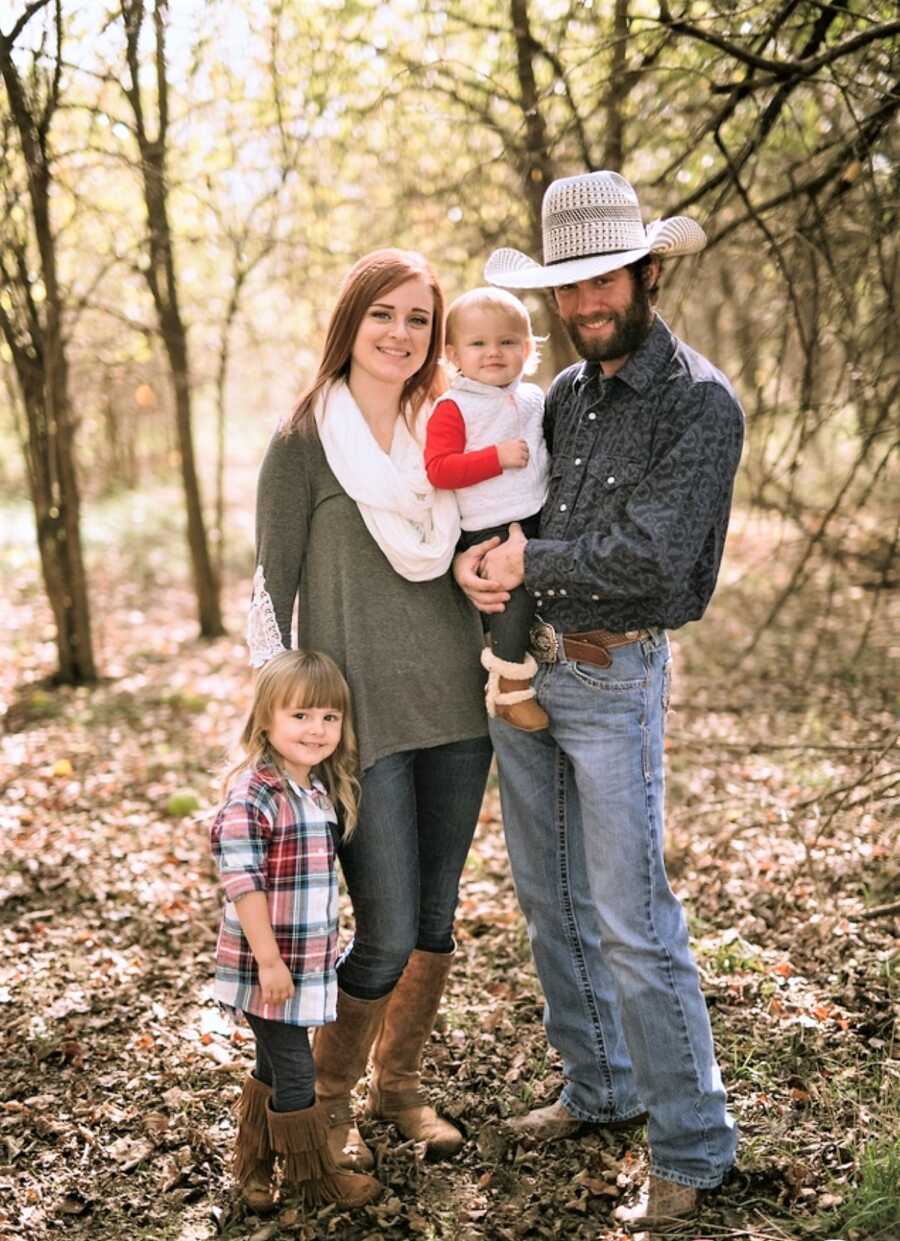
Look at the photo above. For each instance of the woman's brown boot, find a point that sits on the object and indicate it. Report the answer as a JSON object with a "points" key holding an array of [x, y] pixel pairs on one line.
{"points": [[300, 1139], [341, 1053], [396, 1092], [254, 1160]]}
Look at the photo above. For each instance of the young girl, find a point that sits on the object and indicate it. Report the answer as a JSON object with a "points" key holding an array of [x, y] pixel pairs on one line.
{"points": [[274, 841], [485, 442]]}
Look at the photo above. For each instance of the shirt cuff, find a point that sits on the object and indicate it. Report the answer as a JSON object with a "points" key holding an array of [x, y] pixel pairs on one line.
{"points": [[239, 883], [545, 569]]}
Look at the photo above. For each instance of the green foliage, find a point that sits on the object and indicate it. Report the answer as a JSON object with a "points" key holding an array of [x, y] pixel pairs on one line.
{"points": [[182, 803], [872, 1210], [39, 705]]}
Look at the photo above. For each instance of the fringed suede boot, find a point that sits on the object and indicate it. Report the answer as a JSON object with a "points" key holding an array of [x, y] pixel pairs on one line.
{"points": [[300, 1139], [396, 1092], [341, 1053], [509, 694], [254, 1161]]}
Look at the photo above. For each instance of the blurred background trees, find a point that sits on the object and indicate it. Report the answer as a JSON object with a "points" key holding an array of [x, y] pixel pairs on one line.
{"points": [[187, 184]]}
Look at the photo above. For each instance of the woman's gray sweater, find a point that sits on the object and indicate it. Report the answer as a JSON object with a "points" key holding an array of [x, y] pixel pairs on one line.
{"points": [[409, 650]]}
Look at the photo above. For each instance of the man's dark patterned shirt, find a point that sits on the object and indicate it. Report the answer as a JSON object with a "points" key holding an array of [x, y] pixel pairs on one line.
{"points": [[632, 531]]}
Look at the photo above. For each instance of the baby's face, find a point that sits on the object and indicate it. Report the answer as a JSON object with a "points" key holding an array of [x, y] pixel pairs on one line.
{"points": [[489, 346]]}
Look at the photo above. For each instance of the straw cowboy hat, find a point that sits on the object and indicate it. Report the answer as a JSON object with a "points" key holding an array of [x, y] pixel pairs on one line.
{"points": [[592, 224]]}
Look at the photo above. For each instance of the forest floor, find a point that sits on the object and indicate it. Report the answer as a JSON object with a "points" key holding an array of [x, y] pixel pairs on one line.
{"points": [[119, 1074]]}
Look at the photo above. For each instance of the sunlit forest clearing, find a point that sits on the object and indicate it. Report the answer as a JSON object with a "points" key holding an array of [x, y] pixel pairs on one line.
{"points": [[183, 187]]}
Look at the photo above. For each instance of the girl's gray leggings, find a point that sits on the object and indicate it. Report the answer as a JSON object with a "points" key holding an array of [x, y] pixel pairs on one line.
{"points": [[284, 1062]]}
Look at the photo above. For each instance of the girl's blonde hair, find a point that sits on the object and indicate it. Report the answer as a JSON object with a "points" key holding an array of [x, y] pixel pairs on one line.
{"points": [[298, 679], [502, 302]]}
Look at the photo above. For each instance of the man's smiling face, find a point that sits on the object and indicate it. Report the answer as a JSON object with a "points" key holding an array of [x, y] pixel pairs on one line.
{"points": [[607, 317]]}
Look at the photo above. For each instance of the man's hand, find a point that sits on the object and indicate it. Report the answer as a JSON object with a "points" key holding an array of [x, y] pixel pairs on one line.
{"points": [[487, 596], [275, 982], [506, 563], [513, 454]]}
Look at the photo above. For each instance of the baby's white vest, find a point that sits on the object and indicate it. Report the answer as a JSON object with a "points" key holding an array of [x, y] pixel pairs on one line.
{"points": [[491, 415]]}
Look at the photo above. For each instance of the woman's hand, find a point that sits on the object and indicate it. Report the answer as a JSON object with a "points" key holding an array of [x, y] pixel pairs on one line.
{"points": [[275, 982], [487, 596], [513, 454]]}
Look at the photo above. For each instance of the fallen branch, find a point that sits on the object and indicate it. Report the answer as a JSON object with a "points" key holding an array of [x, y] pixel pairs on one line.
{"points": [[751, 747], [880, 911]]}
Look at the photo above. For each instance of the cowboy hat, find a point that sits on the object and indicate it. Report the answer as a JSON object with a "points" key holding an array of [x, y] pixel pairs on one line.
{"points": [[592, 224]]}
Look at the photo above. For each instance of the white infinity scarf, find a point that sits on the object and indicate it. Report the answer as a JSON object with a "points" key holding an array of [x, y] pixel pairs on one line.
{"points": [[415, 526]]}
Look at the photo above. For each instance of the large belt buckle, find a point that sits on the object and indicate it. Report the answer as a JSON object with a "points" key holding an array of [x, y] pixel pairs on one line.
{"points": [[544, 643]]}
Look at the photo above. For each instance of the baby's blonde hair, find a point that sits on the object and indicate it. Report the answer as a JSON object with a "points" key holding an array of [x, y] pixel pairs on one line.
{"points": [[502, 302], [299, 679]]}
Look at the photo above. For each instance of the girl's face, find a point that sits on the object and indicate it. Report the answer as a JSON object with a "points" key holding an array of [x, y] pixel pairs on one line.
{"points": [[393, 338], [304, 737], [489, 346]]}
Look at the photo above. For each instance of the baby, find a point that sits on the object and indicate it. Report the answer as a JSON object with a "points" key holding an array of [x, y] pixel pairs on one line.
{"points": [[485, 442]]}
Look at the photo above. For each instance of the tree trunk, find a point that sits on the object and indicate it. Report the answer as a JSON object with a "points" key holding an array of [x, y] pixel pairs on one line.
{"points": [[620, 84], [39, 357], [206, 584], [221, 409], [54, 497], [162, 280], [538, 170]]}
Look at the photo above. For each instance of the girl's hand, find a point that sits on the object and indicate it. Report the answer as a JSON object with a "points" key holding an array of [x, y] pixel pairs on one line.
{"points": [[513, 454], [275, 982]]}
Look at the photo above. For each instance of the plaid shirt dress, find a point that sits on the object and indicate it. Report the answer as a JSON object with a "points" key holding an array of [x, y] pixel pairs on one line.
{"points": [[275, 837]]}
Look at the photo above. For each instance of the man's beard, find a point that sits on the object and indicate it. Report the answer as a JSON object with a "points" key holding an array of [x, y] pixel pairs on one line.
{"points": [[631, 328]]}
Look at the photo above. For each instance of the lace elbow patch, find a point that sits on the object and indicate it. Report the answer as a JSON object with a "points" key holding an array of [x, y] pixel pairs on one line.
{"points": [[263, 634]]}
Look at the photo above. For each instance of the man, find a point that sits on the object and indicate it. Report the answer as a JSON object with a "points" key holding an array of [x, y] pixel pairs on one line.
{"points": [[645, 437]]}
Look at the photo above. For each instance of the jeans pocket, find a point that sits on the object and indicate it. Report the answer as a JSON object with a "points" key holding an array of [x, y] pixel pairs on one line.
{"points": [[611, 680]]}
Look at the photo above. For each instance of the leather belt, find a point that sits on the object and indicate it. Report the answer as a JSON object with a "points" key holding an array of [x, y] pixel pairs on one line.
{"points": [[590, 647]]}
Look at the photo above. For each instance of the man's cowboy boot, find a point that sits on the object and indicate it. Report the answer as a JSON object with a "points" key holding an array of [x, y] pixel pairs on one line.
{"points": [[509, 693], [254, 1161], [341, 1052], [300, 1139], [395, 1092], [548, 1124], [662, 1205]]}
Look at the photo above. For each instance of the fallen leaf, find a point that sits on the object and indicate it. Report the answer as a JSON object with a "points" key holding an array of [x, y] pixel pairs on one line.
{"points": [[74, 1204], [129, 1152], [264, 1233]]}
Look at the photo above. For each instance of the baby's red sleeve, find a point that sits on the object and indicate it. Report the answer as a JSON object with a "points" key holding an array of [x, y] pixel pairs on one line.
{"points": [[447, 463]]}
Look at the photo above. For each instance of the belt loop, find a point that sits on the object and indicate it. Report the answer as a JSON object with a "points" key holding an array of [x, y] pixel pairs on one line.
{"points": [[653, 640]]}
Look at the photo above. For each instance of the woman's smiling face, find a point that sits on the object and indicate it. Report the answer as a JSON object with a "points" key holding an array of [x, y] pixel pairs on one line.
{"points": [[393, 338]]}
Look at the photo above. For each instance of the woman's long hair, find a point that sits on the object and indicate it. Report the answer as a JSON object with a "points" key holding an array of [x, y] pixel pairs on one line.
{"points": [[297, 680], [370, 278]]}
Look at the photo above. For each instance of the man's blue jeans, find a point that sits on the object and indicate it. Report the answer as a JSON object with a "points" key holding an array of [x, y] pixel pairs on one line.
{"points": [[417, 817], [583, 815]]}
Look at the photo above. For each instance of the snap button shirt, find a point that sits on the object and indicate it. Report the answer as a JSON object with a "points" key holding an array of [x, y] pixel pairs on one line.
{"points": [[641, 479]]}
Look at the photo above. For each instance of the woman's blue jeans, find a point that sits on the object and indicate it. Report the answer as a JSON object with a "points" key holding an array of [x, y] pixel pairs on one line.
{"points": [[418, 813], [583, 815]]}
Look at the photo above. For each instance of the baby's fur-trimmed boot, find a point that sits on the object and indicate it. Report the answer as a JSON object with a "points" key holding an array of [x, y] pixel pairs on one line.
{"points": [[509, 694]]}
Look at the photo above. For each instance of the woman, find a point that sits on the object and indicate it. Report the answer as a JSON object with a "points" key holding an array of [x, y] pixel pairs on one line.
{"points": [[347, 520]]}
